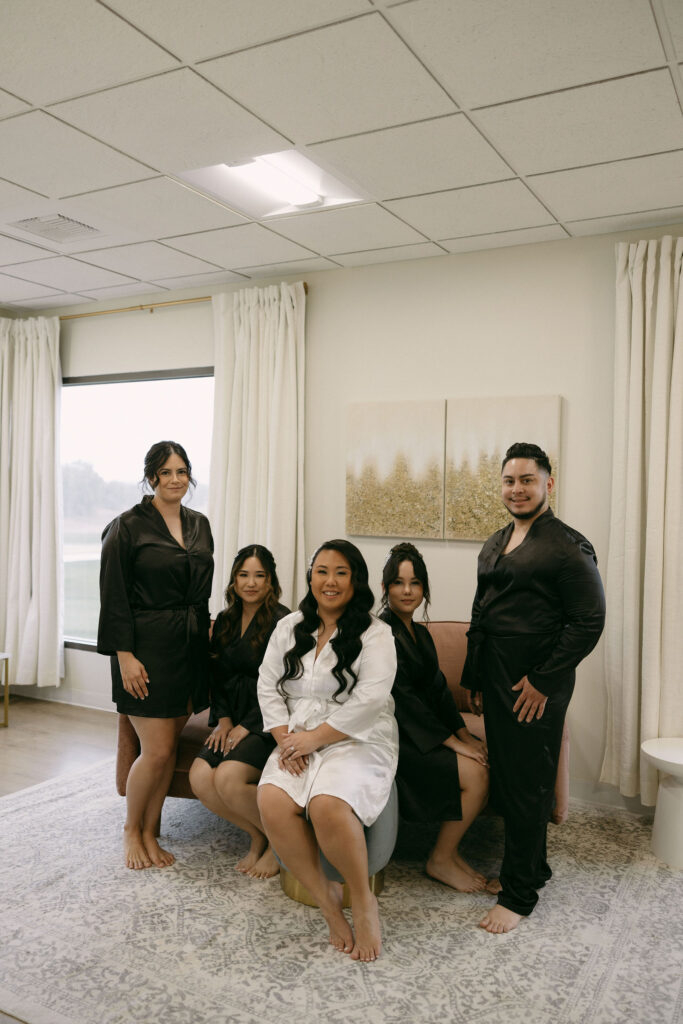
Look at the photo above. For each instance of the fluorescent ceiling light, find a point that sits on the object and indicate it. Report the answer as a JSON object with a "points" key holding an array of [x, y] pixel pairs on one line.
{"points": [[271, 185]]}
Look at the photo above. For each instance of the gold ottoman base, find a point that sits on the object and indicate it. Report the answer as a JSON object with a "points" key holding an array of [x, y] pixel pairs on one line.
{"points": [[293, 888]]}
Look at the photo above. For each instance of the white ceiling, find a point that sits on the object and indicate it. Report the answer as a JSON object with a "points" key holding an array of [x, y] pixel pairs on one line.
{"points": [[464, 124]]}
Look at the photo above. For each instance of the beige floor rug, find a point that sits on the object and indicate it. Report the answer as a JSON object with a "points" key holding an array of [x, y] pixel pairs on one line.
{"points": [[84, 941]]}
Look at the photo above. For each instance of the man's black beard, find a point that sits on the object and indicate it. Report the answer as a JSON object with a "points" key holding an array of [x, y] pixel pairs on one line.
{"points": [[526, 515]]}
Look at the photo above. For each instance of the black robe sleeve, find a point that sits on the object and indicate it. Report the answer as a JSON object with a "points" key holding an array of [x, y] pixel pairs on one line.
{"points": [[116, 630]]}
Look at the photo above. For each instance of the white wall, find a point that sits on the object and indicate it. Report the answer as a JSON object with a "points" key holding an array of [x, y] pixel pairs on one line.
{"points": [[521, 321]]}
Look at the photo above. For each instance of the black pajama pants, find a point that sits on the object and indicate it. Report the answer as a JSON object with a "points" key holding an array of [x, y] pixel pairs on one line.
{"points": [[523, 757]]}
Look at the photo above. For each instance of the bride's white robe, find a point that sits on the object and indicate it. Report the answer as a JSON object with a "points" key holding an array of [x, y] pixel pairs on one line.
{"points": [[360, 769]]}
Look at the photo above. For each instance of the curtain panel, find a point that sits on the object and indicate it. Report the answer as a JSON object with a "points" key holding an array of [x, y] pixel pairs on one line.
{"points": [[256, 489], [644, 634], [31, 573]]}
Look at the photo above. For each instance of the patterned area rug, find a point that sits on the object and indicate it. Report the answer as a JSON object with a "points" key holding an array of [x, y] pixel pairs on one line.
{"points": [[85, 941]]}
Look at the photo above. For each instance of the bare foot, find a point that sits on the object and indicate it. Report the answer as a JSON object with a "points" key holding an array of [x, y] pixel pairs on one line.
{"points": [[500, 919], [159, 857], [368, 945], [134, 852], [249, 861], [341, 936], [462, 863], [493, 885], [450, 873], [266, 866]]}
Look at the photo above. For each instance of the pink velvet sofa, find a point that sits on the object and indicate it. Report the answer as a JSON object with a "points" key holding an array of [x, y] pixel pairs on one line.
{"points": [[451, 645]]}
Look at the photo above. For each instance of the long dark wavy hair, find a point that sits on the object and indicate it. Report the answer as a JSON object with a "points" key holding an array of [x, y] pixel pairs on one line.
{"points": [[158, 454], [405, 552], [351, 624], [231, 622]]}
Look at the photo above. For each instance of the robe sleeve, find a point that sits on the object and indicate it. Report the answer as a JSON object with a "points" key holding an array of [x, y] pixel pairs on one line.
{"points": [[272, 703], [583, 600], [357, 716], [116, 631], [469, 679], [415, 719]]}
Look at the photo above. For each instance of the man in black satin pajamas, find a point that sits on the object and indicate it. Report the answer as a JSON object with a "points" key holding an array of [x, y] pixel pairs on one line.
{"points": [[538, 611]]}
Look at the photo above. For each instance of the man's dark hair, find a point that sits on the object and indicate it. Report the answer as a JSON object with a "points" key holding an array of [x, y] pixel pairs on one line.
{"points": [[526, 450]]}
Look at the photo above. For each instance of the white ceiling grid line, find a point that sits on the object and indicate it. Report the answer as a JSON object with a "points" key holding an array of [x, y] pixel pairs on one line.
{"points": [[461, 125]]}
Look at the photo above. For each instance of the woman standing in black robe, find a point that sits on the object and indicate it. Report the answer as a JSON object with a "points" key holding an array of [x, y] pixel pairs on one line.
{"points": [[155, 581], [225, 774], [442, 768]]}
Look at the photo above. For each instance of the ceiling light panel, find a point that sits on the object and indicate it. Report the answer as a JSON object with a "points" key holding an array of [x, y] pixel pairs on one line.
{"points": [[273, 184]]}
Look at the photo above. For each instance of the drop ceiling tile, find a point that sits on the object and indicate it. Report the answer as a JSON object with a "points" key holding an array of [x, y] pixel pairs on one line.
{"points": [[14, 251], [248, 245], [50, 51], [289, 267], [629, 222], [497, 240], [148, 261], [149, 209], [122, 290], [346, 78], [41, 153], [348, 229], [175, 122], [16, 202], [593, 124], [447, 152], [213, 27], [57, 301], [200, 280], [14, 290], [10, 104], [674, 16], [629, 186], [486, 53], [503, 206], [65, 273], [391, 255]]}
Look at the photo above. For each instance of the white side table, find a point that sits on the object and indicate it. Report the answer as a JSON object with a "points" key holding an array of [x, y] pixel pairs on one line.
{"points": [[4, 658], [666, 754]]}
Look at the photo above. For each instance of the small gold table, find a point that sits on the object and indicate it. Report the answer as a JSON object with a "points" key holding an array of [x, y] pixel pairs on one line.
{"points": [[5, 721]]}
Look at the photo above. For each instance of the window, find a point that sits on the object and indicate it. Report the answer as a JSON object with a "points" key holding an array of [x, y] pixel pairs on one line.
{"points": [[107, 427]]}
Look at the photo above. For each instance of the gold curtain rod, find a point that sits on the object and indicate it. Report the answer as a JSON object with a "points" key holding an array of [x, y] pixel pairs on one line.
{"points": [[150, 306]]}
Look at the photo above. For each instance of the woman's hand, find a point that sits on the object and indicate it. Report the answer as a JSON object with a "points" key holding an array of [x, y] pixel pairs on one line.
{"points": [[469, 746], [299, 744], [237, 734], [133, 674], [218, 739], [293, 765]]}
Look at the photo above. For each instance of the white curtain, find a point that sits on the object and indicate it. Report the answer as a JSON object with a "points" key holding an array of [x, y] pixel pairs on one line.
{"points": [[644, 631], [31, 590], [256, 490]]}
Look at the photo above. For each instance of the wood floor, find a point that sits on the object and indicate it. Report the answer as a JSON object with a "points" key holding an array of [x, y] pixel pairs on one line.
{"points": [[45, 739]]}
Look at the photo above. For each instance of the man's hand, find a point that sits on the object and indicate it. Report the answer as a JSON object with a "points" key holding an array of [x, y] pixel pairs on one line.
{"points": [[530, 703]]}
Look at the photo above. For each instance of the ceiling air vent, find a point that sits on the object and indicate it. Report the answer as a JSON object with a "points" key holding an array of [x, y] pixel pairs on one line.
{"points": [[56, 228]]}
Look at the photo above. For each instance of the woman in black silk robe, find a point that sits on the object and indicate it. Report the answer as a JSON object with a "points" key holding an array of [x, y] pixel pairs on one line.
{"points": [[442, 769], [225, 773], [155, 581]]}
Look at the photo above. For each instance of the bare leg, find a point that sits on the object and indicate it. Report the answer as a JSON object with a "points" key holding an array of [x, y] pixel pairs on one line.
{"points": [[236, 786], [342, 840], [445, 863], [499, 919], [294, 839], [146, 789]]}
